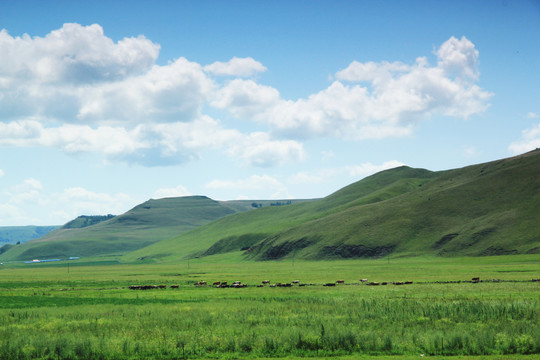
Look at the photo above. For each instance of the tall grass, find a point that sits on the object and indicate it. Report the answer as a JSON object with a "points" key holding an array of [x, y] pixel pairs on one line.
{"points": [[91, 314], [270, 324]]}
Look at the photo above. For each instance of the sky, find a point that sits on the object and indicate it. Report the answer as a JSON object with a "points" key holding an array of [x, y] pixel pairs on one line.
{"points": [[106, 104]]}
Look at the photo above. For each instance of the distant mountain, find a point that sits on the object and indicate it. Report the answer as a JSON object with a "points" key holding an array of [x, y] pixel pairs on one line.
{"points": [[145, 224], [485, 209], [22, 234]]}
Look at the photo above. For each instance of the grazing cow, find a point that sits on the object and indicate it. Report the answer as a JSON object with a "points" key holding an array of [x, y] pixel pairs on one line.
{"points": [[174, 286], [266, 282], [330, 284], [260, 285], [216, 283], [475, 279], [341, 281], [408, 282], [384, 283], [296, 282], [273, 285], [363, 280], [162, 286], [398, 282], [373, 283]]}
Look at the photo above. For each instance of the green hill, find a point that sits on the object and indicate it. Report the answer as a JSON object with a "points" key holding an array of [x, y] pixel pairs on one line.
{"points": [[485, 209], [145, 224], [244, 231]]}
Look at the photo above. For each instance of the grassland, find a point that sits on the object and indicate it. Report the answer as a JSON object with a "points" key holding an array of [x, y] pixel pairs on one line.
{"points": [[86, 310]]}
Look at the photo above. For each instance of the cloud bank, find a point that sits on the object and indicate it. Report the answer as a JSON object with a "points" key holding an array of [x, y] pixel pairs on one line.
{"points": [[77, 90]]}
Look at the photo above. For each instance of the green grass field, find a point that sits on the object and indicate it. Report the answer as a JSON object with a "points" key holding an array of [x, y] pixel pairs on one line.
{"points": [[87, 311]]}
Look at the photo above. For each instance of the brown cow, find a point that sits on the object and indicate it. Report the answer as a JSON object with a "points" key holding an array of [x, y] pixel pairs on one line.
{"points": [[475, 279], [266, 282], [341, 281]]}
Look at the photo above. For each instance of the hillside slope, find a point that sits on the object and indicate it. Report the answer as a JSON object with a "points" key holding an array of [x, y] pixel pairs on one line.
{"points": [[244, 230], [485, 209], [143, 225]]}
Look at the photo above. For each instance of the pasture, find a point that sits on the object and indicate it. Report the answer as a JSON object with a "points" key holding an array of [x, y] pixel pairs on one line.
{"points": [[87, 311]]}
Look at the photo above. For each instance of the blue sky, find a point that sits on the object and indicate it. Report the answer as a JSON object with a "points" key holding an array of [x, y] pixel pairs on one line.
{"points": [[104, 105]]}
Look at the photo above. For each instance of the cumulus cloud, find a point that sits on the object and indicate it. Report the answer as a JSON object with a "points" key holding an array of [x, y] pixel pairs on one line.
{"points": [[74, 54], [1, 173], [77, 90], [368, 100], [530, 140], [258, 149], [242, 67], [532, 115]]}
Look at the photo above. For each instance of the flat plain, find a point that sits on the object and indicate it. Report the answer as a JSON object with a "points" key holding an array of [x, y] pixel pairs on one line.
{"points": [[86, 310]]}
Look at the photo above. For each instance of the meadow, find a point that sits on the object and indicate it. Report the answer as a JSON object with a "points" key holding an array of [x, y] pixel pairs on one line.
{"points": [[85, 310]]}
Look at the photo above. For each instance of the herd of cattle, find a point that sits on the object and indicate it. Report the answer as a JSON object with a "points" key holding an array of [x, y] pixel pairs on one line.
{"points": [[239, 284]]}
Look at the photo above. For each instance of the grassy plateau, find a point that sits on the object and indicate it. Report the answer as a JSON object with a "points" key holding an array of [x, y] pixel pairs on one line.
{"points": [[85, 310]]}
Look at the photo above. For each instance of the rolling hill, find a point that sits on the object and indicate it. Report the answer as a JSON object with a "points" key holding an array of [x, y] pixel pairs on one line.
{"points": [[145, 224], [484, 209]]}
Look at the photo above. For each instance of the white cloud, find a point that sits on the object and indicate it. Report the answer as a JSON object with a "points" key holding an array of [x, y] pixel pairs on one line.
{"points": [[532, 115], [77, 90], [458, 57], [1, 173], [74, 54], [368, 100], [242, 67], [530, 140], [258, 149], [177, 191], [246, 99]]}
